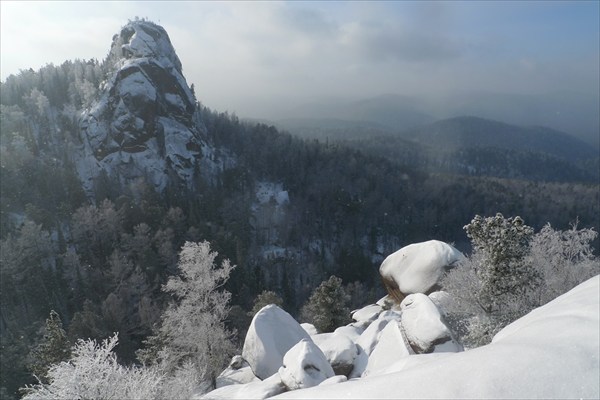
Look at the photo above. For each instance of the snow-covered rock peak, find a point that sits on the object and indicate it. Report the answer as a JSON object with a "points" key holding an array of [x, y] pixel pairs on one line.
{"points": [[143, 39], [144, 123]]}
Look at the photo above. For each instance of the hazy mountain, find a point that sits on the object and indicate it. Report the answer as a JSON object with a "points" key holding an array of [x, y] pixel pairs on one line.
{"points": [[574, 113], [392, 111], [468, 132], [481, 147]]}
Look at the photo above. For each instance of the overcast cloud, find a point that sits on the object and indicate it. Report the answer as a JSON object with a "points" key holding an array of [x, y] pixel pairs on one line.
{"points": [[256, 58]]}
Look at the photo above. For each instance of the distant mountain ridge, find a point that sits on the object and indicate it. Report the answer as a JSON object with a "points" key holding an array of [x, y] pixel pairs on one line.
{"points": [[470, 131]]}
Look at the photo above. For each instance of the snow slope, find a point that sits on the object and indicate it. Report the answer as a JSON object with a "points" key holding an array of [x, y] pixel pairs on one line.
{"points": [[553, 352]]}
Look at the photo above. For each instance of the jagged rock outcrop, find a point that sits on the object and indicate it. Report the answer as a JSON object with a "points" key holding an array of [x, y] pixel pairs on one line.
{"points": [[144, 122]]}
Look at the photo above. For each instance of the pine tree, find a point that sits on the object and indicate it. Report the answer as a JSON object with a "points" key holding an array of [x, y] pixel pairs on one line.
{"points": [[327, 307], [54, 347]]}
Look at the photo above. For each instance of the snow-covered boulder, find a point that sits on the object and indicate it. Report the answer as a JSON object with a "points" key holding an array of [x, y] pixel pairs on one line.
{"points": [[352, 331], [271, 334], [254, 390], [309, 328], [369, 338], [238, 372], [304, 365], [340, 351], [390, 348], [417, 268], [550, 353], [442, 300], [424, 327], [367, 314]]}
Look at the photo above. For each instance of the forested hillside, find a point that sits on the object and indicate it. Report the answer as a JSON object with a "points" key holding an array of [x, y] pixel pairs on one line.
{"points": [[288, 212]]}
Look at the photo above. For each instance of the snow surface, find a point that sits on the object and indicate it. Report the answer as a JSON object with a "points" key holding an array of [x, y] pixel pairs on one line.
{"points": [[253, 390], [304, 366], [553, 352], [309, 328], [417, 267], [271, 334], [367, 314], [231, 376], [369, 338], [390, 348]]}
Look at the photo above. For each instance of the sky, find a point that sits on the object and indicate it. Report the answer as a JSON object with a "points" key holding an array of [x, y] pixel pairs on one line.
{"points": [[256, 57]]}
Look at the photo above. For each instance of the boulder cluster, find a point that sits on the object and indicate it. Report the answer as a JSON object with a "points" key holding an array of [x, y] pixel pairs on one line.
{"points": [[280, 354]]}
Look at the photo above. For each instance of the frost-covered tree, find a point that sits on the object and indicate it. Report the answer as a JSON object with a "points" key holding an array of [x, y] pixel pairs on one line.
{"points": [[192, 329], [54, 347], [493, 286], [327, 307], [94, 373]]}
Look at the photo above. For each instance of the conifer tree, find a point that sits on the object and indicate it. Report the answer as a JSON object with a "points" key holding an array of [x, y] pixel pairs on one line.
{"points": [[54, 347], [327, 307], [265, 298]]}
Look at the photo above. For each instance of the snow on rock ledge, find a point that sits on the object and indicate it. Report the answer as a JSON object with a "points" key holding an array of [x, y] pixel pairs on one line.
{"points": [[417, 268], [271, 334]]}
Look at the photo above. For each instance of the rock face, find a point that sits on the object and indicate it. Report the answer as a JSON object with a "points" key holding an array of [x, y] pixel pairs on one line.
{"points": [[144, 123], [417, 268], [304, 366], [271, 334]]}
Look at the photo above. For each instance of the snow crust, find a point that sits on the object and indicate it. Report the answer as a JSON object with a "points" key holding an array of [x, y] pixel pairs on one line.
{"points": [[418, 267], [553, 352]]}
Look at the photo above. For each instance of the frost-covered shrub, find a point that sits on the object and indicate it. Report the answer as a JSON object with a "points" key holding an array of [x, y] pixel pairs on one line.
{"points": [[327, 307], [563, 258], [94, 373], [512, 271], [492, 286]]}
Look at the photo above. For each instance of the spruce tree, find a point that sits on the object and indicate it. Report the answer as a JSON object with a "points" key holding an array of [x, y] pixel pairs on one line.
{"points": [[327, 307], [53, 348]]}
